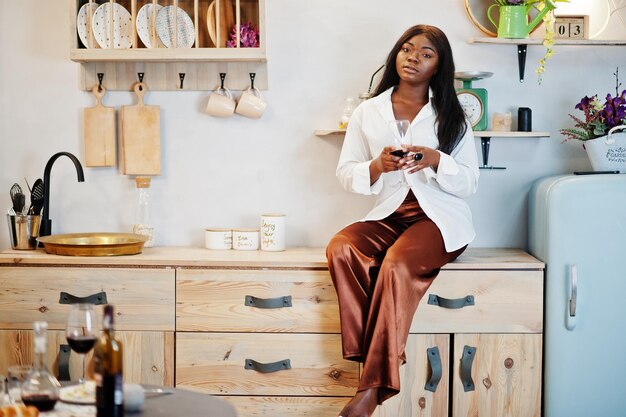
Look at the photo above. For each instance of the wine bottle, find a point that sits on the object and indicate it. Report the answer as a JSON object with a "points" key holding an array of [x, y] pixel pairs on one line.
{"points": [[108, 367]]}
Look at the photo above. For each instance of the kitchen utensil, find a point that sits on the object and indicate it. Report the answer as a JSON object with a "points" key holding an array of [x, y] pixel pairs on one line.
{"points": [[185, 34], [226, 21], [100, 148], [36, 197], [23, 231], [17, 201], [141, 137]]}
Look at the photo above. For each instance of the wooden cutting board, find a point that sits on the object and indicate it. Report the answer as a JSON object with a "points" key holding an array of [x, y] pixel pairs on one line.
{"points": [[141, 137], [227, 21], [100, 141]]}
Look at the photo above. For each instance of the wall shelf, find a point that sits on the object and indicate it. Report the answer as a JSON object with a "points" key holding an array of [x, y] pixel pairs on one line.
{"points": [[484, 135], [330, 132], [485, 142], [522, 46]]}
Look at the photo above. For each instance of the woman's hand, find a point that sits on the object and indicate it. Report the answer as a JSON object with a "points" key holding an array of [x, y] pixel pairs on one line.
{"points": [[430, 158], [386, 162]]}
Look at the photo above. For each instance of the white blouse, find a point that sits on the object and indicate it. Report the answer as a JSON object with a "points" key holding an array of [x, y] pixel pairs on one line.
{"points": [[440, 194]]}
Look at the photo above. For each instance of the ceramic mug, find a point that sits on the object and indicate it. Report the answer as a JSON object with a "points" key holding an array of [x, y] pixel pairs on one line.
{"points": [[220, 239], [251, 104], [246, 239], [273, 232], [221, 103]]}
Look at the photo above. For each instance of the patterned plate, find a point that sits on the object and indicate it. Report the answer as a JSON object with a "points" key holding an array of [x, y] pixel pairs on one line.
{"points": [[122, 27], [145, 23], [165, 28], [83, 25]]}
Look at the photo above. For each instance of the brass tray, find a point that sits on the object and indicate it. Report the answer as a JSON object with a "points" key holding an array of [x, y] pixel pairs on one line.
{"points": [[93, 244]]}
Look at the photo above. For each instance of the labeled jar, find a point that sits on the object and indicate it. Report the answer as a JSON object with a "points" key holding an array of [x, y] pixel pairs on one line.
{"points": [[143, 211]]}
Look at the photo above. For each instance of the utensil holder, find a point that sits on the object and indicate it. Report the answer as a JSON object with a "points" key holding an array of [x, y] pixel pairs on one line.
{"points": [[23, 231]]}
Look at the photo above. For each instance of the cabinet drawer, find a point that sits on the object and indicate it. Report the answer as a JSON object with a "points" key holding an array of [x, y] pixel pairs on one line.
{"points": [[143, 298], [215, 300], [504, 302], [288, 406], [214, 363]]}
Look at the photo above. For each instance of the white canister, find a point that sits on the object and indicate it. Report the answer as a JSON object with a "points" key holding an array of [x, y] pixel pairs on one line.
{"points": [[219, 239], [246, 239], [273, 234]]}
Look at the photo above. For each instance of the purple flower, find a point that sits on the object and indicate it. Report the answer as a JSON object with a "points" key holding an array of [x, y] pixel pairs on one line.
{"points": [[248, 36]]}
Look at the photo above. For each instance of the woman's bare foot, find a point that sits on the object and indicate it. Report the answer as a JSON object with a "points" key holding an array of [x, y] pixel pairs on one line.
{"points": [[362, 404]]}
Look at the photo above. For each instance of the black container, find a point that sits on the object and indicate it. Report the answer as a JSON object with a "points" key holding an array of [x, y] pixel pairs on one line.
{"points": [[524, 119]]}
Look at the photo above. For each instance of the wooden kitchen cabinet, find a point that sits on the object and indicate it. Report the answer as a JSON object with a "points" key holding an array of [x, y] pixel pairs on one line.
{"points": [[219, 321], [144, 301]]}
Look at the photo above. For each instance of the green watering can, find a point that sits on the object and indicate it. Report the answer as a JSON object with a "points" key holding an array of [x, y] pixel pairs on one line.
{"points": [[514, 19]]}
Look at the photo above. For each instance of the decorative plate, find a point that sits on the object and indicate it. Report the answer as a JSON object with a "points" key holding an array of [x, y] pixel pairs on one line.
{"points": [[122, 27], [83, 25], [145, 24], [165, 28]]}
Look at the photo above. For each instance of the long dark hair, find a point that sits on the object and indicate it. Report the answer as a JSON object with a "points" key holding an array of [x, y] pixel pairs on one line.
{"points": [[451, 123]]}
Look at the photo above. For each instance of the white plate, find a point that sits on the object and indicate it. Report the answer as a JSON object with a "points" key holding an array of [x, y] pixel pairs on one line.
{"points": [[145, 23], [122, 27], [79, 394], [83, 25], [165, 28]]}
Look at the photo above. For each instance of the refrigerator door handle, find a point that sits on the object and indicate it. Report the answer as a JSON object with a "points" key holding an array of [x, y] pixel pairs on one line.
{"points": [[570, 321]]}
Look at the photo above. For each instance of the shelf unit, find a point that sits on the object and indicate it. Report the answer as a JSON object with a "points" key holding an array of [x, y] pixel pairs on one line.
{"points": [[484, 135], [485, 142], [195, 68], [522, 46]]}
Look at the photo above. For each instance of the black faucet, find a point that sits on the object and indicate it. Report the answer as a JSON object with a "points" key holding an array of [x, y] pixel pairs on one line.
{"points": [[46, 224]]}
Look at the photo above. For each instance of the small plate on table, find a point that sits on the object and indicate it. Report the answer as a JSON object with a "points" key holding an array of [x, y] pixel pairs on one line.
{"points": [[84, 394]]}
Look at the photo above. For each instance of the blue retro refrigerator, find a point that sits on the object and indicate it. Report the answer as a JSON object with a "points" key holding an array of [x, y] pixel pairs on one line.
{"points": [[577, 227]]}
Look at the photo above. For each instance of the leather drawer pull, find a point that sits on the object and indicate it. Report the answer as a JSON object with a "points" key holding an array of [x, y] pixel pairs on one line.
{"points": [[266, 368], [64, 362], [95, 299], [466, 368], [278, 302], [434, 359], [436, 300]]}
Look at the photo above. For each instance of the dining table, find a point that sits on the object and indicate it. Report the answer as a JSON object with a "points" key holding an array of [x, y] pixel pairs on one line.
{"points": [[159, 402]]}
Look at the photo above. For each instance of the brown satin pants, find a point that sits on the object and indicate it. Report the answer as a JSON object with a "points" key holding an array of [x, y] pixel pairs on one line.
{"points": [[381, 270]]}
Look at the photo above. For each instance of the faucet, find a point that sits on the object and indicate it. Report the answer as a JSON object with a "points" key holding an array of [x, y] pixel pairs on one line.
{"points": [[46, 224]]}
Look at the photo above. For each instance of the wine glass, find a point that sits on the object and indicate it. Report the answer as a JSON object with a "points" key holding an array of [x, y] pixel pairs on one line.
{"points": [[401, 134], [81, 331]]}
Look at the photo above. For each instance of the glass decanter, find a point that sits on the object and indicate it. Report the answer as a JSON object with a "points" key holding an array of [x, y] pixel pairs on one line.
{"points": [[40, 388]]}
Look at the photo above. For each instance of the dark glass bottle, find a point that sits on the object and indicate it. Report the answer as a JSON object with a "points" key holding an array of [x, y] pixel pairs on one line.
{"points": [[108, 366]]}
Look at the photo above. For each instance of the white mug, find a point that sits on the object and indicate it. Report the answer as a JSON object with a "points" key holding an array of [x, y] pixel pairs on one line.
{"points": [[246, 239], [273, 236], [251, 104], [219, 239], [221, 103]]}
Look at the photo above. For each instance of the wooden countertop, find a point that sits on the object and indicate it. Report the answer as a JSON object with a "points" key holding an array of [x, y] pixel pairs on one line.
{"points": [[309, 258]]}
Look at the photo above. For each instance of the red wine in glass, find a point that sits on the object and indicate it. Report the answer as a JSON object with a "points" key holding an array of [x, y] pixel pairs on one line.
{"points": [[43, 402], [81, 344]]}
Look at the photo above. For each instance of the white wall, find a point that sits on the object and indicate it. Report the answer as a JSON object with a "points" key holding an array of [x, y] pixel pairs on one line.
{"points": [[224, 173]]}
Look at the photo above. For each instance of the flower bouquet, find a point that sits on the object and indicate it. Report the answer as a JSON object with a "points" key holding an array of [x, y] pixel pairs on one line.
{"points": [[596, 130]]}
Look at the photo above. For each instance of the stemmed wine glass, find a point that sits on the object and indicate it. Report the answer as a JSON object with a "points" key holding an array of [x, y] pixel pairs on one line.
{"points": [[81, 331], [401, 134]]}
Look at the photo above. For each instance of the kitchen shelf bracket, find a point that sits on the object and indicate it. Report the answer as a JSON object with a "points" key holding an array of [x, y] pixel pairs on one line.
{"points": [[521, 60], [485, 142]]}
